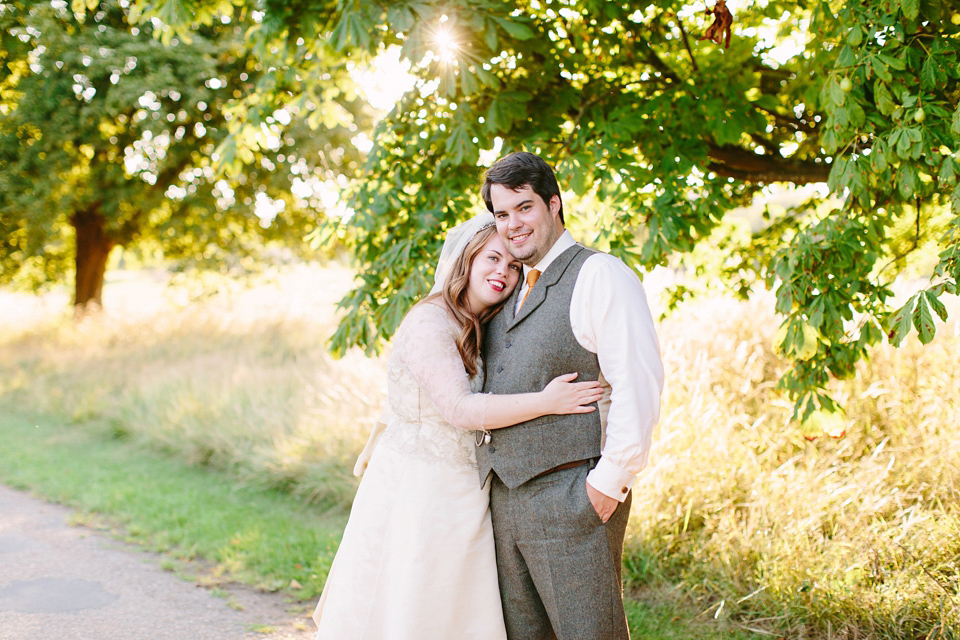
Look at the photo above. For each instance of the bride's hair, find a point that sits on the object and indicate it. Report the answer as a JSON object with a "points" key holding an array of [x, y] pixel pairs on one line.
{"points": [[454, 293]]}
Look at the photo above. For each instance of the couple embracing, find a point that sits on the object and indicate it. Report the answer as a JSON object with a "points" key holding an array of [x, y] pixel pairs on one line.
{"points": [[522, 393]]}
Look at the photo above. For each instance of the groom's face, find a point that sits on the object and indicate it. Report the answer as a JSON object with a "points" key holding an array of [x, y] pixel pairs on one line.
{"points": [[528, 226]]}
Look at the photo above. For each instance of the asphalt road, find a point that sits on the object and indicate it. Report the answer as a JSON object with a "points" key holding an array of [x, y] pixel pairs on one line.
{"points": [[62, 582]]}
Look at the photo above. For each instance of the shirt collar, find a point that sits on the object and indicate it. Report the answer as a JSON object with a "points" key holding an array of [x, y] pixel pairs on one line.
{"points": [[564, 242]]}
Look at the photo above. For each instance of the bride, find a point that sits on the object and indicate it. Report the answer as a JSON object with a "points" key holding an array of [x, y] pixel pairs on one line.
{"points": [[417, 559]]}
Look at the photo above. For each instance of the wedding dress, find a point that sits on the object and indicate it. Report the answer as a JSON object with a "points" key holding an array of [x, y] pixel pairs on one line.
{"points": [[417, 559]]}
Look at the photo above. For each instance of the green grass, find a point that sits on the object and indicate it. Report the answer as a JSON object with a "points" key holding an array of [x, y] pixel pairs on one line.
{"points": [[260, 537], [662, 617], [264, 538]]}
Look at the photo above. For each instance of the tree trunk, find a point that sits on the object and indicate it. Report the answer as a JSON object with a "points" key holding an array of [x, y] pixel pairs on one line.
{"points": [[93, 247]]}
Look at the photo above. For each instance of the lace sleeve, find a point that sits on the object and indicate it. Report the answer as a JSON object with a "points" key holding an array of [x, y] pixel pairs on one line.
{"points": [[426, 347]]}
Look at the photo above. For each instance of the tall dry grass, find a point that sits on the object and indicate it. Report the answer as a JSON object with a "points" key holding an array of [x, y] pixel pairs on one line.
{"points": [[855, 536], [850, 537], [240, 381]]}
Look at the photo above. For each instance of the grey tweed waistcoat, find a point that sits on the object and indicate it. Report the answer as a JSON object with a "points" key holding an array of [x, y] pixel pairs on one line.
{"points": [[521, 355]]}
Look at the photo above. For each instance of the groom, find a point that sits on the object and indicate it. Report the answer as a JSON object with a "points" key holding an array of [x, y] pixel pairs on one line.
{"points": [[560, 485]]}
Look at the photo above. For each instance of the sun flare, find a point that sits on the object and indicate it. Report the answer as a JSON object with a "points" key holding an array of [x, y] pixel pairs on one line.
{"points": [[446, 44]]}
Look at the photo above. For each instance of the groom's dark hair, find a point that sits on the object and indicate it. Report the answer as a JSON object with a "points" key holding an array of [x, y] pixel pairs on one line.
{"points": [[518, 169]]}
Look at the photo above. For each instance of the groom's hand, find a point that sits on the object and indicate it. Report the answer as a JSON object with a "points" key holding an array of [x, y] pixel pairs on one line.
{"points": [[603, 504]]}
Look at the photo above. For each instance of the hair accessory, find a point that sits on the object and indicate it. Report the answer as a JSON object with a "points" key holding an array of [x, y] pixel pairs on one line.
{"points": [[454, 244]]}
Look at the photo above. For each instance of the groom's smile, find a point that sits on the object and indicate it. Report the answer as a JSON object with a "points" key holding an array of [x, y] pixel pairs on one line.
{"points": [[519, 238]]}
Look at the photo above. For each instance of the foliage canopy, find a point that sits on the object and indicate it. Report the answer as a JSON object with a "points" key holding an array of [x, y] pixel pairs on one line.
{"points": [[115, 133], [663, 133]]}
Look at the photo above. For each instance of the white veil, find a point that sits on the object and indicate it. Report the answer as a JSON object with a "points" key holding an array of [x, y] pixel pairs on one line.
{"points": [[454, 244]]}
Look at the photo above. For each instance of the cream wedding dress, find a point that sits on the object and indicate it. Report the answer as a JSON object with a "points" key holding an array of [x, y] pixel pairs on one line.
{"points": [[417, 560]]}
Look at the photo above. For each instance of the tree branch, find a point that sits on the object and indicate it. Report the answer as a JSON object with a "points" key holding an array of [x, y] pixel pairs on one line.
{"points": [[576, 122], [768, 145], [793, 123], [734, 162], [641, 45], [686, 44], [914, 245]]}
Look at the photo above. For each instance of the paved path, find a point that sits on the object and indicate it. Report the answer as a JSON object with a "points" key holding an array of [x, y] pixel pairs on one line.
{"points": [[59, 582]]}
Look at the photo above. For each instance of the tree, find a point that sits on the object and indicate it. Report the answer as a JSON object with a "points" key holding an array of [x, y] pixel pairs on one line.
{"points": [[669, 131], [116, 135]]}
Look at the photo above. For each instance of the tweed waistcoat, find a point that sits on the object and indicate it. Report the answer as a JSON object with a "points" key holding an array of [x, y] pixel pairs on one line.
{"points": [[521, 355]]}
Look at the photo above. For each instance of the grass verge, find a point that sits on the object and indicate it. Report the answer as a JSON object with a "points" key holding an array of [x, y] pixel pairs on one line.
{"points": [[260, 537], [264, 538]]}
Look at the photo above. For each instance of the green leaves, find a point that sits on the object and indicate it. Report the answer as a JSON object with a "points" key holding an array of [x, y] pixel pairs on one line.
{"points": [[505, 109], [81, 6], [902, 322], [878, 67], [840, 174], [923, 319], [934, 301], [884, 101], [170, 12], [908, 142], [351, 31], [917, 312], [846, 58], [833, 94], [911, 8], [948, 170], [893, 62], [460, 145], [907, 181], [514, 28], [931, 75]]}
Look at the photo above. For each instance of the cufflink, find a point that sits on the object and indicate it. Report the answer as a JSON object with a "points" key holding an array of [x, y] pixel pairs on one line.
{"points": [[624, 490]]}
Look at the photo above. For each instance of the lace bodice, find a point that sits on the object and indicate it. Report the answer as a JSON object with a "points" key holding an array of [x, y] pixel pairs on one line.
{"points": [[434, 408]]}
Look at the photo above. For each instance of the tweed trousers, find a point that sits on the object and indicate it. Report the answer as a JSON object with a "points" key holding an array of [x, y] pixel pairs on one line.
{"points": [[559, 565]]}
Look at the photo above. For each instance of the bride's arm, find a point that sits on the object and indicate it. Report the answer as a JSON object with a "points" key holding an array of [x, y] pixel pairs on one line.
{"points": [[379, 426], [561, 395], [427, 349]]}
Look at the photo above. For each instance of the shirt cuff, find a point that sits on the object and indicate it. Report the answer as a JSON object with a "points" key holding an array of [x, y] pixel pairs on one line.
{"points": [[611, 480]]}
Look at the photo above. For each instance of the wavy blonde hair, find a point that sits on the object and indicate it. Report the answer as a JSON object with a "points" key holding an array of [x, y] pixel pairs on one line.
{"points": [[454, 293]]}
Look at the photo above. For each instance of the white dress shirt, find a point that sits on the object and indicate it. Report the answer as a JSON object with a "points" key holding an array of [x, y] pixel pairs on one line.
{"points": [[610, 317]]}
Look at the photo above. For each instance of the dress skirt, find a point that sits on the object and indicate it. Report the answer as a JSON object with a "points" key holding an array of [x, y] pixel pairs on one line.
{"points": [[417, 560]]}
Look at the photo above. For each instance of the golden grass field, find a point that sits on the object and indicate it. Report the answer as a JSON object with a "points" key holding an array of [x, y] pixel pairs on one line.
{"points": [[855, 536]]}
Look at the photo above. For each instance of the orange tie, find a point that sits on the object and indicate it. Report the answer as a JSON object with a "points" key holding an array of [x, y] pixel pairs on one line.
{"points": [[532, 278]]}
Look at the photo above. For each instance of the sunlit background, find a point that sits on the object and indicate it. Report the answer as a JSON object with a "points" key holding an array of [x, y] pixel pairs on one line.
{"points": [[743, 514]]}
